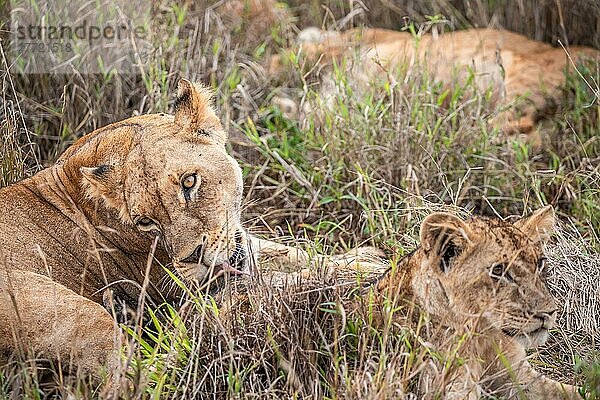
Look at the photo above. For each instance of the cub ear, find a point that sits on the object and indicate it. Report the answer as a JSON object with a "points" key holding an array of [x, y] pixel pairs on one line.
{"points": [[193, 110], [444, 236], [104, 182], [539, 226]]}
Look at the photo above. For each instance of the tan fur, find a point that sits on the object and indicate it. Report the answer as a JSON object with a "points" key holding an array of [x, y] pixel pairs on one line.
{"points": [[451, 277], [41, 318], [77, 228], [523, 73]]}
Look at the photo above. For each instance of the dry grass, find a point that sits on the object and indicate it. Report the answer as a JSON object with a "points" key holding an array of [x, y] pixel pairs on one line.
{"points": [[367, 172]]}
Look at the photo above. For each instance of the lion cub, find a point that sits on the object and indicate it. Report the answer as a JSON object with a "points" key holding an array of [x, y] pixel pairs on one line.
{"points": [[484, 279]]}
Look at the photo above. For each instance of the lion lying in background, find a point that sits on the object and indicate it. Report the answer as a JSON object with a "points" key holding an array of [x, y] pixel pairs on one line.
{"points": [[522, 73]]}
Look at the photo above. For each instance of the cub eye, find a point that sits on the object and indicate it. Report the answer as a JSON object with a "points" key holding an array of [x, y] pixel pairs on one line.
{"points": [[188, 181], [498, 272]]}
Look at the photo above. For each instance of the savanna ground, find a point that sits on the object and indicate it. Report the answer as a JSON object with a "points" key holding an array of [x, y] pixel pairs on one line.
{"points": [[365, 172]]}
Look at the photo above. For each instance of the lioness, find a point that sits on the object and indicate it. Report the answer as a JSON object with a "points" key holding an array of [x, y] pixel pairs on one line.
{"points": [[522, 73], [484, 278], [88, 223]]}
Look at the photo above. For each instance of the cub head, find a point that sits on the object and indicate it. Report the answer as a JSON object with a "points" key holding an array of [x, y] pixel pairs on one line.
{"points": [[489, 271], [171, 177]]}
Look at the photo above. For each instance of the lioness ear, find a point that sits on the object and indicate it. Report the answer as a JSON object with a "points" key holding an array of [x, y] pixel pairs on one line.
{"points": [[104, 182], [539, 226], [444, 235], [193, 110]]}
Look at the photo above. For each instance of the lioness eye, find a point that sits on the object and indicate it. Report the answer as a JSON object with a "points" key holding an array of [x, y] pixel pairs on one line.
{"points": [[189, 181], [147, 224], [145, 221]]}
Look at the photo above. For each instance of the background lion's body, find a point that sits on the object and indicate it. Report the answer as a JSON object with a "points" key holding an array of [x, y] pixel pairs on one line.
{"points": [[523, 75]]}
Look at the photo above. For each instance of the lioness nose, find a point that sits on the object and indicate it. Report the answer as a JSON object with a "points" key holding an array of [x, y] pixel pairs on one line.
{"points": [[194, 258]]}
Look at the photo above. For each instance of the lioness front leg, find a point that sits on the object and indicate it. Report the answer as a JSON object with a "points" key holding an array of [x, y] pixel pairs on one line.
{"points": [[268, 255], [39, 317], [284, 262]]}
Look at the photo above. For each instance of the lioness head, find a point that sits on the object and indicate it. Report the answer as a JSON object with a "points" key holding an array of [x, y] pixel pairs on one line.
{"points": [[171, 177], [489, 271]]}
